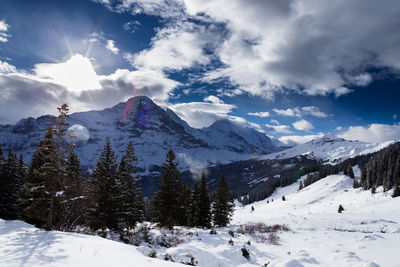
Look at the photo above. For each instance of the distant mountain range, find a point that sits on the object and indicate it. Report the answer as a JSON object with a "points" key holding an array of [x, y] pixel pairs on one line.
{"points": [[153, 131]]}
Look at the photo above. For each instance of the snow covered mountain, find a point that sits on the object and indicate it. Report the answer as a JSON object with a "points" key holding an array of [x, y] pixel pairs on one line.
{"points": [[153, 131], [328, 148]]}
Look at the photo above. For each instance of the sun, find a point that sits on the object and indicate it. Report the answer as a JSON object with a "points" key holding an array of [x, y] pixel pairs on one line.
{"points": [[76, 74]]}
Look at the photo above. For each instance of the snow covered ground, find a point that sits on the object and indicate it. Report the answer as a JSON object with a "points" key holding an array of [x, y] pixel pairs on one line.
{"points": [[366, 234]]}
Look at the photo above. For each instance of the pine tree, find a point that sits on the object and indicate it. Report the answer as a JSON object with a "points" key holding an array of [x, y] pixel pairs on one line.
{"points": [[130, 198], [351, 172], [194, 206], [73, 199], [103, 208], [10, 187], [40, 190], [204, 204], [223, 206], [184, 202], [166, 198]]}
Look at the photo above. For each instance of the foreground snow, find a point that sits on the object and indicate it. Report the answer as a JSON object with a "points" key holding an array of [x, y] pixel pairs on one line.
{"points": [[22, 244], [366, 234]]}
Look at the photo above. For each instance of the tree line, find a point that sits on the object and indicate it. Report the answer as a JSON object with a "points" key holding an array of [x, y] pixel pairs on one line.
{"points": [[51, 193]]}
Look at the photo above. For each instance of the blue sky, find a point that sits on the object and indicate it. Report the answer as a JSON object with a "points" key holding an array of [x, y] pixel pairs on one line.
{"points": [[293, 69]]}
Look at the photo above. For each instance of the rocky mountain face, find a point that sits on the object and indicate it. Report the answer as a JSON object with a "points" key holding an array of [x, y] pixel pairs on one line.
{"points": [[152, 130]]}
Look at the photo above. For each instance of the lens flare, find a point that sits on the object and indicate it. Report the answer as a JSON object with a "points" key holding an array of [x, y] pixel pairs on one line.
{"points": [[78, 134]]}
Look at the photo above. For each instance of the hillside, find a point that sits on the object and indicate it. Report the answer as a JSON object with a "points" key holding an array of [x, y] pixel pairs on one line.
{"points": [[366, 234]]}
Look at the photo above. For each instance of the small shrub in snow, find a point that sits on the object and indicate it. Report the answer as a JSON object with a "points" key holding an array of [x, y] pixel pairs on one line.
{"points": [[213, 232], [169, 240], [340, 209], [396, 192], [168, 257], [189, 259], [230, 242], [231, 233], [273, 238], [153, 254], [248, 242], [283, 198], [245, 253], [266, 264]]}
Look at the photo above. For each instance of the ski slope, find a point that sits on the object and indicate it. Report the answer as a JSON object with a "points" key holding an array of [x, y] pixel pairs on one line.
{"points": [[366, 234]]}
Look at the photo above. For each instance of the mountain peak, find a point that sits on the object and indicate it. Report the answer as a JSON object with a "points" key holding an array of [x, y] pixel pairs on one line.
{"points": [[330, 137]]}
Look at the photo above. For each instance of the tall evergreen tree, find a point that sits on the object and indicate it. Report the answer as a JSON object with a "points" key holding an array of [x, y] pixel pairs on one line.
{"points": [[10, 187], [223, 206], [129, 193], [40, 196], [73, 199], [204, 219], [184, 202], [166, 198], [102, 191], [194, 206]]}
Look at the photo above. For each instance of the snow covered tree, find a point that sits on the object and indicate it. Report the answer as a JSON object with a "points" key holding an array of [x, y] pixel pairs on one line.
{"points": [[222, 208], [103, 208], [166, 198], [204, 219], [129, 194]]}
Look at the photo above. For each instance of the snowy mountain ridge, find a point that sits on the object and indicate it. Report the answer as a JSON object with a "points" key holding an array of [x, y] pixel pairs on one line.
{"points": [[329, 148], [153, 131]]}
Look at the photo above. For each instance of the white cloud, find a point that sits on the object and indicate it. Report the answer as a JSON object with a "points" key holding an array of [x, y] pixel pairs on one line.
{"points": [[5, 67], [283, 44], [201, 114], [259, 114], [275, 122], [75, 82], [111, 47], [293, 140], [374, 133], [303, 125], [173, 48], [342, 91], [77, 73], [278, 45], [291, 112], [131, 26], [278, 128], [213, 99], [299, 112], [3, 31]]}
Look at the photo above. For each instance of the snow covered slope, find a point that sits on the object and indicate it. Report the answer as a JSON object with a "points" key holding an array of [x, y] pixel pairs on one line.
{"points": [[153, 131], [367, 233], [329, 148], [22, 244]]}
